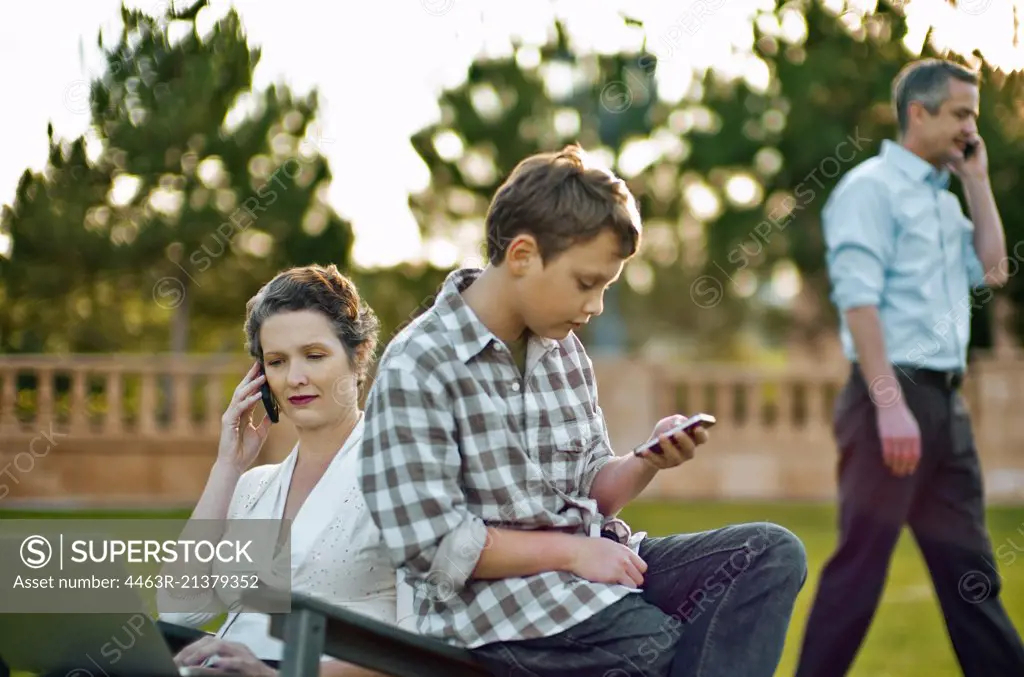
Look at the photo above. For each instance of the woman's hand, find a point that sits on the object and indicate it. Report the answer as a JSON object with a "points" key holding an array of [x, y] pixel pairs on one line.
{"points": [[230, 656], [240, 440]]}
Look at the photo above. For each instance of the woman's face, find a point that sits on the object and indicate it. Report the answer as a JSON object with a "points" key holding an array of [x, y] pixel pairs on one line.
{"points": [[308, 369]]}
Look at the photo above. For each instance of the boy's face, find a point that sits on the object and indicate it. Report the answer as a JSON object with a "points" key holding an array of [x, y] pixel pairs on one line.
{"points": [[559, 297]]}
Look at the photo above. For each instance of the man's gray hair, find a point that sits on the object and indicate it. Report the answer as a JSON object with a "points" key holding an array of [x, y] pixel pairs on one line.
{"points": [[926, 81]]}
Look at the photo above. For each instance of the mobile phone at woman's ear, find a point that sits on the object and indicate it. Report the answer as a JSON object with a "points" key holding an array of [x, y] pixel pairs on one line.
{"points": [[269, 403]]}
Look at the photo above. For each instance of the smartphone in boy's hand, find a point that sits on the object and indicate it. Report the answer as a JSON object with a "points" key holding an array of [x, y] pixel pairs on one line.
{"points": [[675, 439]]}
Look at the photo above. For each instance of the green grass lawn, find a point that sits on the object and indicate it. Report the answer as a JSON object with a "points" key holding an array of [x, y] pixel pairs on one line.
{"points": [[907, 638]]}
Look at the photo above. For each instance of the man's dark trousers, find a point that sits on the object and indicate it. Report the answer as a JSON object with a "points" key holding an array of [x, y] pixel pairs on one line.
{"points": [[942, 502]]}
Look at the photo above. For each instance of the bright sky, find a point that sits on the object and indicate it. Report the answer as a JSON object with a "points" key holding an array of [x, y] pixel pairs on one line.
{"points": [[380, 65]]}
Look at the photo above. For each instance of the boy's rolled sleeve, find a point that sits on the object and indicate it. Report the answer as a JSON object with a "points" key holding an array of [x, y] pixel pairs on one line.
{"points": [[859, 236], [601, 447], [600, 455], [410, 466]]}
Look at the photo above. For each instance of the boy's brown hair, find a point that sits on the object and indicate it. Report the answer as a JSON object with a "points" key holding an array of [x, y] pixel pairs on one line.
{"points": [[561, 198]]}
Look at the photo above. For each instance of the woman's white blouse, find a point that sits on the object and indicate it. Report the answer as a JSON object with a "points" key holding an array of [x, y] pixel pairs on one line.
{"points": [[336, 550]]}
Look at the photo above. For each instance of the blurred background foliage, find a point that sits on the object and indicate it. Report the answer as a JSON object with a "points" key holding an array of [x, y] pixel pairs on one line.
{"points": [[151, 233]]}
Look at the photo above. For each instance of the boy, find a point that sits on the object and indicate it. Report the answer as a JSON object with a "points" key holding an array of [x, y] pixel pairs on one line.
{"points": [[487, 466]]}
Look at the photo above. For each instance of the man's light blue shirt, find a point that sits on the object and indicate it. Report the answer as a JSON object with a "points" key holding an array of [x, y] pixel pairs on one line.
{"points": [[897, 239]]}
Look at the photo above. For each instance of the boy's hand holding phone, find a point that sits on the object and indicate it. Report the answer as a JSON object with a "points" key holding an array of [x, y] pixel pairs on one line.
{"points": [[674, 440]]}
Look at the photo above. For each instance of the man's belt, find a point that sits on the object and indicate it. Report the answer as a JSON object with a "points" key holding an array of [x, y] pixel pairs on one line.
{"points": [[950, 379]]}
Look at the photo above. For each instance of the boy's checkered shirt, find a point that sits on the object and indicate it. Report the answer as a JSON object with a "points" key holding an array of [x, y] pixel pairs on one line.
{"points": [[455, 440]]}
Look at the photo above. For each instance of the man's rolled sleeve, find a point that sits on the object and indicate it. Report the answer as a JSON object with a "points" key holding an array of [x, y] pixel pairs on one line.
{"points": [[975, 268], [410, 466], [859, 237]]}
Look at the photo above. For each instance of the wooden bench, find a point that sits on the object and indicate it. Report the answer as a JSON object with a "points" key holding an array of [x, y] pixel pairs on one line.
{"points": [[313, 628]]}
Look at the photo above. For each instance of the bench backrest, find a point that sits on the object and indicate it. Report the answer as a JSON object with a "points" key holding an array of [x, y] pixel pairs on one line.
{"points": [[314, 627]]}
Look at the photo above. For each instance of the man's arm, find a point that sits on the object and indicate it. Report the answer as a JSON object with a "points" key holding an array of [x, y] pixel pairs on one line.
{"points": [[989, 237], [872, 356], [860, 236], [860, 240]]}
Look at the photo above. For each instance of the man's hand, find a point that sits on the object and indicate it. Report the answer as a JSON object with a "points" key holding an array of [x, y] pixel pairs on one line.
{"points": [[976, 166], [900, 436], [229, 656], [678, 448], [602, 560]]}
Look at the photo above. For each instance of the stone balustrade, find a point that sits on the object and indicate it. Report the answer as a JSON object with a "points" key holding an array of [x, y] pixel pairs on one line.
{"points": [[143, 429]]}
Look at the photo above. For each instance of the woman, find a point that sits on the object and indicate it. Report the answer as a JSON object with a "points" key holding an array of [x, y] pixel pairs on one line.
{"points": [[316, 340]]}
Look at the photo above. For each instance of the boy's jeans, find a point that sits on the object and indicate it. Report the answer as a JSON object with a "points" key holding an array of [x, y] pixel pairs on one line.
{"points": [[714, 604]]}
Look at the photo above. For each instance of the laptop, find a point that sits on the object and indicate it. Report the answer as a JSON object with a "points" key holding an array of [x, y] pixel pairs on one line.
{"points": [[126, 643], [86, 645]]}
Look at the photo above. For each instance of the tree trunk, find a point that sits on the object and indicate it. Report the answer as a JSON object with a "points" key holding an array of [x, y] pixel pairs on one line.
{"points": [[179, 340], [179, 322]]}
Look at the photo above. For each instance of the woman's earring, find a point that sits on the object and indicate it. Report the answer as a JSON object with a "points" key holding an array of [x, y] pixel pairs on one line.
{"points": [[255, 427]]}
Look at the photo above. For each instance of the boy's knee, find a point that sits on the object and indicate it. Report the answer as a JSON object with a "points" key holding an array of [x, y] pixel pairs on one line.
{"points": [[786, 554]]}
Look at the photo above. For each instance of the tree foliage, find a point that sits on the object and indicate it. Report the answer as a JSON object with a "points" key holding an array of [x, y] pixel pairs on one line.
{"points": [[191, 189], [731, 179], [827, 109], [199, 191]]}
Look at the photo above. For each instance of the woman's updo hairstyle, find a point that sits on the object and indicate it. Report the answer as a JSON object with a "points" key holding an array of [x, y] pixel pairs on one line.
{"points": [[320, 288]]}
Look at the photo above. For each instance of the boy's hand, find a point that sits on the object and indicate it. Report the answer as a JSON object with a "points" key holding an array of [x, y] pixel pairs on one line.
{"points": [[602, 560], [678, 448]]}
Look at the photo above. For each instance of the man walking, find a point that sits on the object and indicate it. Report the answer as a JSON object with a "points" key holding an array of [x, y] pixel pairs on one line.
{"points": [[903, 259]]}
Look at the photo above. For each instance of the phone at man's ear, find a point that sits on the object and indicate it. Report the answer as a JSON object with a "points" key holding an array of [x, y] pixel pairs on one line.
{"points": [[971, 149], [269, 403]]}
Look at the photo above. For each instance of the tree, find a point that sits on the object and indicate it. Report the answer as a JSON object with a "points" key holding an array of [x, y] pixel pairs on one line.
{"points": [[507, 109], [200, 191], [826, 109], [730, 179], [61, 273]]}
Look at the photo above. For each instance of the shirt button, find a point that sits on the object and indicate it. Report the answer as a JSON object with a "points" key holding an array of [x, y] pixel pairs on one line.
{"points": [[498, 347], [515, 386]]}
